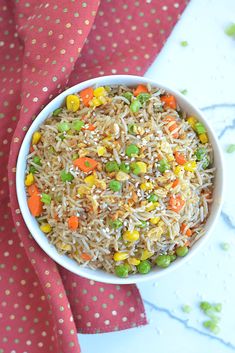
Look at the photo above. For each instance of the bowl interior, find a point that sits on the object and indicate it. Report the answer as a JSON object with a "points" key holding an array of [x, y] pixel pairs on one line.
{"points": [[65, 261]]}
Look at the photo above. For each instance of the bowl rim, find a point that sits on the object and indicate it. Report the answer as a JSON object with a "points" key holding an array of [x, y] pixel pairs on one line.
{"points": [[64, 260]]}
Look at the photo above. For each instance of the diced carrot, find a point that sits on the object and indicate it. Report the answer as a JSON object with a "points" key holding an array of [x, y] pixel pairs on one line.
{"points": [[180, 158], [56, 217], [172, 125], [32, 189], [188, 231], [35, 204], [140, 89], [85, 164], [90, 127], [170, 101], [87, 95], [85, 256], [176, 203], [175, 183], [73, 222], [31, 149]]}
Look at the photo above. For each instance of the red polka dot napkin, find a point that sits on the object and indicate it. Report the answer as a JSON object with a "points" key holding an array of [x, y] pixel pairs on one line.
{"points": [[46, 46]]}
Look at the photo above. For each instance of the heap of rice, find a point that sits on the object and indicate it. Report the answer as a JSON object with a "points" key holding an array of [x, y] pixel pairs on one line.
{"points": [[97, 206]]}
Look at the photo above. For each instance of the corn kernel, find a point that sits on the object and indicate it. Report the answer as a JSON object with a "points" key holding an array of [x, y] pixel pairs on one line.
{"points": [[134, 261], [155, 233], [146, 255], [101, 151], [203, 138], [170, 157], [101, 184], [102, 99], [120, 256], [46, 228], [192, 121], [95, 102], [178, 170], [90, 180], [63, 246], [142, 166], [83, 190], [161, 223], [29, 180], [146, 186], [36, 138], [131, 236], [154, 220], [140, 130], [100, 91], [121, 176], [151, 206], [190, 166], [72, 102]]}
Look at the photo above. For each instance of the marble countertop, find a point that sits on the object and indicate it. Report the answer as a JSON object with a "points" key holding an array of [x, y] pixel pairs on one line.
{"points": [[205, 68]]}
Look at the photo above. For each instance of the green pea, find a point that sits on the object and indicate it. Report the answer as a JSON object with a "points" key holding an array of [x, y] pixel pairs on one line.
{"points": [[128, 95], [32, 169], [212, 326], [205, 163], [116, 224], [77, 125], [111, 166], [66, 176], [121, 271], [63, 126], [45, 198], [75, 156], [153, 198], [163, 165], [144, 267], [142, 224], [125, 167], [51, 149], [135, 106], [200, 153], [132, 150], [135, 168], [143, 97], [200, 128], [163, 261], [218, 307], [186, 308], [173, 257], [61, 136], [37, 160], [57, 111], [132, 129], [115, 185], [181, 251]]}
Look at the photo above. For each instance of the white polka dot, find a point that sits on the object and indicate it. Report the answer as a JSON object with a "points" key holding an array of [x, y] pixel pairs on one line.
{"points": [[96, 315], [88, 324], [114, 313], [132, 309], [106, 322], [124, 319]]}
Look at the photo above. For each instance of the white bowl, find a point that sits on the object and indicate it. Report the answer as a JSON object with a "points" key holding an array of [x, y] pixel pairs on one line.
{"points": [[65, 261]]}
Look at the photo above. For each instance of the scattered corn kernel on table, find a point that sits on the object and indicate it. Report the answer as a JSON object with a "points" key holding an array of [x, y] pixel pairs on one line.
{"points": [[198, 59]]}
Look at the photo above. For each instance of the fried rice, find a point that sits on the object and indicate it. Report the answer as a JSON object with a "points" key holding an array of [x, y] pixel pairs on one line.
{"points": [[122, 178]]}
